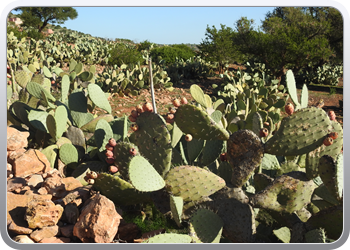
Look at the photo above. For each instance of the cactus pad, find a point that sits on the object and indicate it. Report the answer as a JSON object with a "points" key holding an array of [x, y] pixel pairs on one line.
{"points": [[123, 157], [300, 133], [192, 183], [98, 97], [193, 120], [169, 238], [244, 153]]}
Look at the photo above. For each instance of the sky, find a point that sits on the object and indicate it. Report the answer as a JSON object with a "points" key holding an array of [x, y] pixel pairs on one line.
{"points": [[160, 25]]}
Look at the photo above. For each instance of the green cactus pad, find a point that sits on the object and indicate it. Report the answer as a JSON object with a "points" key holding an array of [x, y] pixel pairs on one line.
{"points": [[225, 171], [283, 234], [35, 90], [244, 153], [77, 103], [169, 238], [143, 176], [76, 136], [331, 173], [198, 95], [103, 132], [316, 236], [69, 155], [261, 181], [38, 119], [287, 193], [22, 78], [98, 97], [51, 154], [65, 84], [154, 141], [176, 206], [192, 120], [330, 219], [119, 191], [211, 151], [192, 183], [300, 133], [291, 87], [123, 157], [206, 226], [90, 126]]}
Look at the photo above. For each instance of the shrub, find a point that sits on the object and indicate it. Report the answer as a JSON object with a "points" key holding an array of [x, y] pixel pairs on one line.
{"points": [[123, 53], [170, 53]]}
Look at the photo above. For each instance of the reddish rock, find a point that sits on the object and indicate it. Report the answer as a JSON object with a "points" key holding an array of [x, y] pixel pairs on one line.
{"points": [[98, 221], [13, 228], [13, 155], [55, 240], [16, 207], [31, 162], [16, 139], [23, 239], [128, 232], [70, 183], [60, 187], [15, 183], [45, 232], [42, 213], [35, 181]]}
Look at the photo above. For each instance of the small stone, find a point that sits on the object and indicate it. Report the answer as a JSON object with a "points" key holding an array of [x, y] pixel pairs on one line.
{"points": [[45, 232], [31, 162], [12, 227], [13, 155], [23, 239], [15, 183], [55, 240], [41, 213], [35, 180], [16, 139]]}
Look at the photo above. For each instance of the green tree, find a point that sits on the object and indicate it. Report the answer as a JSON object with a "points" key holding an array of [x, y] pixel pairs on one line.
{"points": [[40, 17], [217, 46], [291, 38]]}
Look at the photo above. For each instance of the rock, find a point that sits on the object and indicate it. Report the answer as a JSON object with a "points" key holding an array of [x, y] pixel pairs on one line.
{"points": [[23, 239], [45, 232], [42, 213], [55, 240], [67, 231], [71, 213], [16, 139], [13, 155], [13, 228], [128, 232], [16, 207], [35, 181], [60, 187], [98, 221], [31, 162], [15, 183]]}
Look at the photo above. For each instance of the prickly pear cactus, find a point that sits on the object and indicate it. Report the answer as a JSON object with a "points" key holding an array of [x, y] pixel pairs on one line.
{"points": [[192, 183], [154, 141], [123, 157], [205, 226], [287, 193], [169, 238], [193, 120], [300, 133], [119, 191], [244, 153]]}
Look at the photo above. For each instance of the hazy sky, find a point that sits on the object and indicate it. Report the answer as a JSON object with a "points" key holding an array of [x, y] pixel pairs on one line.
{"points": [[162, 25]]}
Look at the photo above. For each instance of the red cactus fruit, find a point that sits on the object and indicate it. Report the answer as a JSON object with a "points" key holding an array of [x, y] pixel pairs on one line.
{"points": [[52, 82], [139, 109], [183, 100], [110, 160], [8, 76], [132, 119], [176, 103], [134, 127], [9, 82], [109, 147], [109, 153], [93, 175], [169, 118], [223, 157], [147, 107], [266, 124], [134, 113], [331, 115], [328, 141], [91, 181], [188, 137], [112, 142], [113, 169], [289, 108], [133, 151], [263, 132], [333, 135], [172, 110]]}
